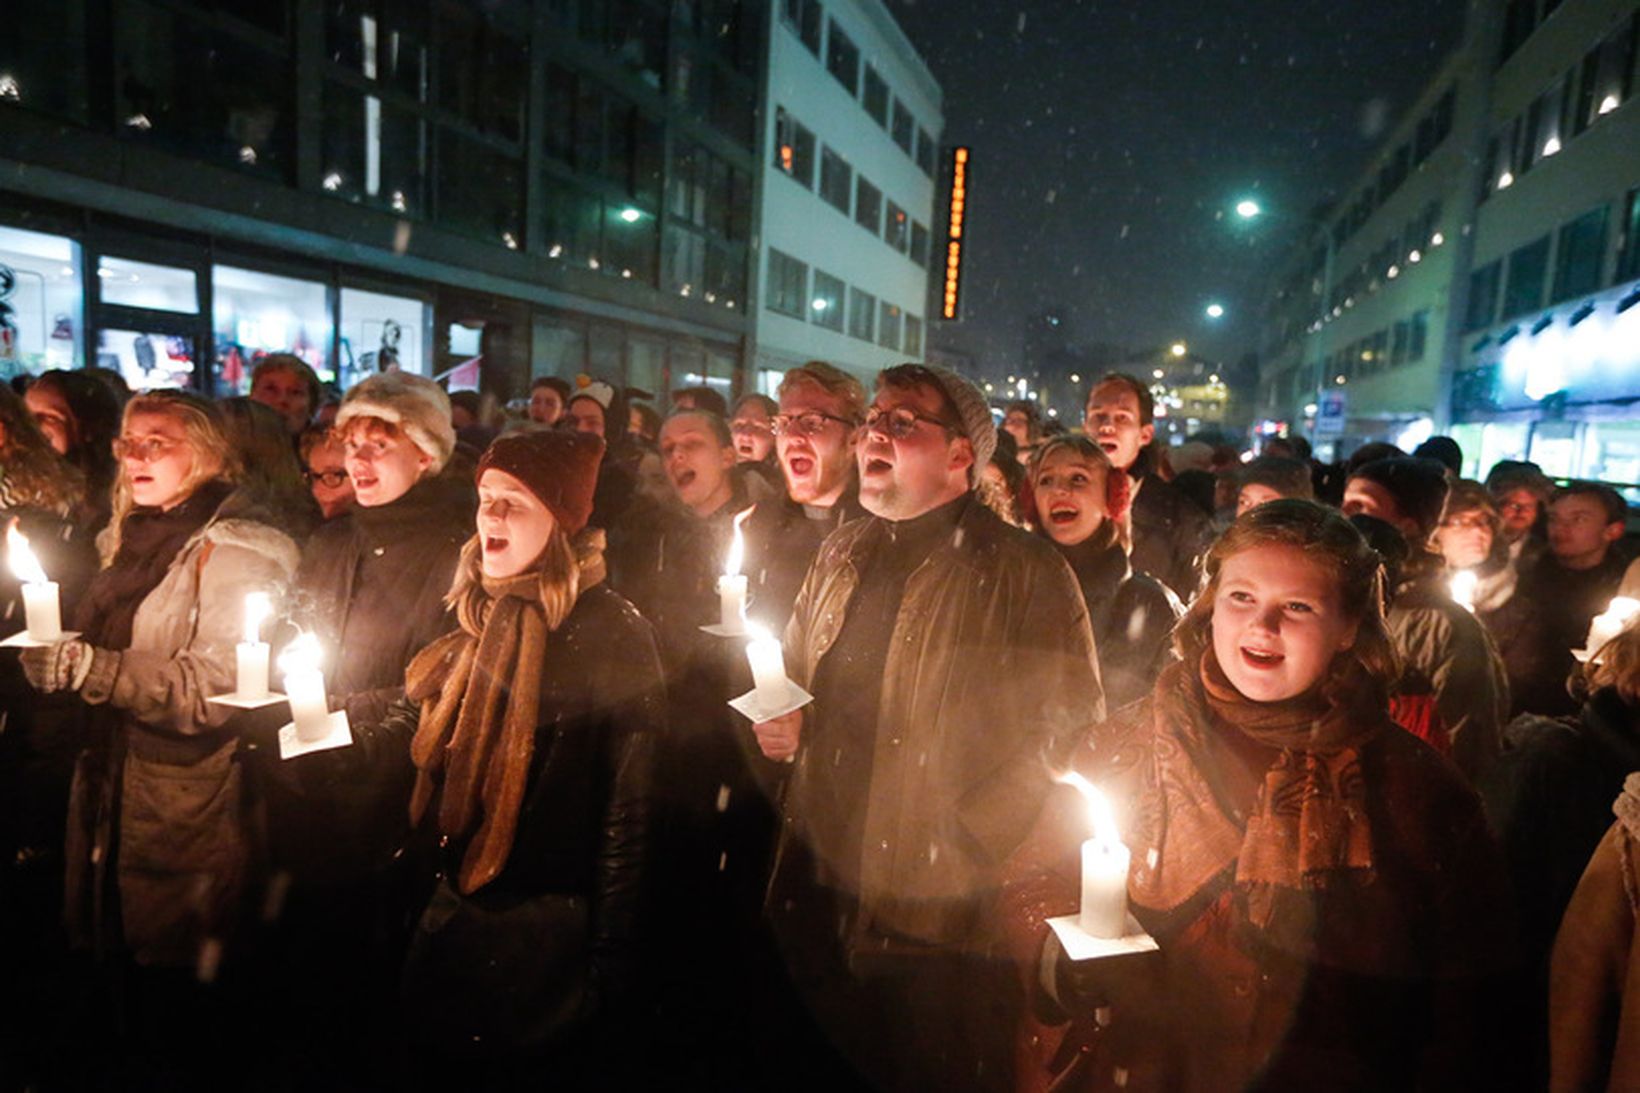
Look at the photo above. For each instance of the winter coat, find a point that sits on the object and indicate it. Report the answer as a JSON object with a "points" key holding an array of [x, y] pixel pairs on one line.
{"points": [[782, 539], [1394, 994], [1516, 625], [530, 958], [1565, 602], [164, 800], [1132, 616], [1594, 974], [991, 673], [1170, 532], [1447, 654]]}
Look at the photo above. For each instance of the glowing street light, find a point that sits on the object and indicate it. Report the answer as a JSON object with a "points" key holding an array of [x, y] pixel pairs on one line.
{"points": [[1215, 311], [1248, 209], [1179, 349]]}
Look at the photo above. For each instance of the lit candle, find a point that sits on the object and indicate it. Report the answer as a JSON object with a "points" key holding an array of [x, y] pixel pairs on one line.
{"points": [[1104, 867], [732, 585], [768, 666], [305, 688], [252, 679], [1463, 588], [41, 608], [1609, 623]]}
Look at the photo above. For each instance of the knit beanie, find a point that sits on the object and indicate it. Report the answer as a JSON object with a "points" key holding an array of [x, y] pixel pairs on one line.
{"points": [[1418, 486], [559, 466], [973, 411], [413, 403]]}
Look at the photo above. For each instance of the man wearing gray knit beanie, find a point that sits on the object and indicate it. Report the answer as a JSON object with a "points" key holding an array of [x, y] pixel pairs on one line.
{"points": [[952, 665]]}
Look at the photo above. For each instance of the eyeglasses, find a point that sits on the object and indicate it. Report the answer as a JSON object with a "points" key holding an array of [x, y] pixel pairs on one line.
{"points": [[330, 479], [1518, 507], [901, 421], [145, 450], [807, 423], [751, 428]]}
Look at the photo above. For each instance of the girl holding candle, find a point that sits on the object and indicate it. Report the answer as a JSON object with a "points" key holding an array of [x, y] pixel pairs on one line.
{"points": [[1324, 890], [531, 729], [157, 823]]}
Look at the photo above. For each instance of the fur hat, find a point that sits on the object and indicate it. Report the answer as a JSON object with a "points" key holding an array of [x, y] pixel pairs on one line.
{"points": [[557, 465], [413, 403]]}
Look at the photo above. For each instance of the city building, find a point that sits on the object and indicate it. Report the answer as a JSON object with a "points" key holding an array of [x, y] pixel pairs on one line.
{"points": [[1480, 276], [853, 127]]}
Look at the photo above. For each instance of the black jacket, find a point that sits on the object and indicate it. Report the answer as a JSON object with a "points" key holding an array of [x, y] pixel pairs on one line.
{"points": [[1132, 616], [782, 539], [549, 944], [1170, 532]]}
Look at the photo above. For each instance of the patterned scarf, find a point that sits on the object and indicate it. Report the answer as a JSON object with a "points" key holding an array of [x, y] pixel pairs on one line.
{"points": [[480, 694], [1308, 825]]}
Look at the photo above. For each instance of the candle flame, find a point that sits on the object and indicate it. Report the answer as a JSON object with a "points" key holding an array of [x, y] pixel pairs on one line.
{"points": [[21, 559], [1099, 810], [1463, 588], [257, 609], [737, 548], [301, 655], [1622, 609]]}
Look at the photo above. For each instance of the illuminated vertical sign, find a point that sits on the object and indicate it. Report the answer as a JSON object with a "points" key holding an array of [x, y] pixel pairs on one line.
{"points": [[951, 301]]}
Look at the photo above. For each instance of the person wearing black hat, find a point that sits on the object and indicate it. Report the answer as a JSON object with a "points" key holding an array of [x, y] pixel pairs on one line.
{"points": [[1454, 692]]}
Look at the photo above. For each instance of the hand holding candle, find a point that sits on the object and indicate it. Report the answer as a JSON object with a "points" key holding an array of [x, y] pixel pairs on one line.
{"points": [[252, 679], [305, 688], [732, 585], [41, 608], [1104, 866], [768, 663]]}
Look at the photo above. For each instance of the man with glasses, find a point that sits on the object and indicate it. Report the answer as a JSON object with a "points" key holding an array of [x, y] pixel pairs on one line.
{"points": [[952, 664], [815, 430]]}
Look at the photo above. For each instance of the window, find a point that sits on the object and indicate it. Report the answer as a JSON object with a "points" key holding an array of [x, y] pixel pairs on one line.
{"points": [[1605, 79], [876, 97], [868, 206], [826, 303], [904, 126], [1483, 297], [1523, 286], [44, 52], [1580, 255], [836, 180], [1542, 131], [793, 148], [1628, 262], [862, 314], [1398, 345], [1418, 337], [631, 239], [482, 73], [46, 301], [788, 286], [913, 337], [842, 57], [919, 244], [1518, 21], [480, 190], [926, 152], [142, 284], [256, 313], [803, 16], [888, 326], [377, 329], [898, 229]]}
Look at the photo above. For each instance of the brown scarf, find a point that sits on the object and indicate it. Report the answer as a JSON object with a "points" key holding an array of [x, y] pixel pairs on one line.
{"points": [[1308, 825], [480, 694]]}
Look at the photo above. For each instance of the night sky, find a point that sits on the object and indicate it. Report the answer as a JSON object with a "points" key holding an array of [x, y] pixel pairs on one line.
{"points": [[1109, 137]]}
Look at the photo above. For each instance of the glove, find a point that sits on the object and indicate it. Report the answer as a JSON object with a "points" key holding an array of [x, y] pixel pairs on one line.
{"points": [[60, 667]]}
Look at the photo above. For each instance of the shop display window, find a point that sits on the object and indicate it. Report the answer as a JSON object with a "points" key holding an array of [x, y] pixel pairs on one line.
{"points": [[380, 332], [130, 283], [41, 303], [255, 314], [148, 360]]}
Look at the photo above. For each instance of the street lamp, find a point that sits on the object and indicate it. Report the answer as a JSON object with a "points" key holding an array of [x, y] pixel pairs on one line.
{"points": [[1215, 311], [1248, 209], [1179, 349]]}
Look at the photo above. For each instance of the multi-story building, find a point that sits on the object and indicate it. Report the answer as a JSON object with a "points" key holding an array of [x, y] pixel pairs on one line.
{"points": [[848, 186], [495, 190], [1549, 357]]}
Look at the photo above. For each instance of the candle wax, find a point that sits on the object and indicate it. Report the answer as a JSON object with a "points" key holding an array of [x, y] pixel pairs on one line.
{"points": [[306, 692], [732, 594], [1104, 888], [40, 609], [768, 669], [252, 678]]}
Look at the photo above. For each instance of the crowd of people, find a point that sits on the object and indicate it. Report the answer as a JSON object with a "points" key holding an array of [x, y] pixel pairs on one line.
{"points": [[1368, 732]]}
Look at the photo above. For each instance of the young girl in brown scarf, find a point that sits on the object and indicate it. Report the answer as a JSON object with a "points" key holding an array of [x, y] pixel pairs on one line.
{"points": [[1323, 887], [532, 747]]}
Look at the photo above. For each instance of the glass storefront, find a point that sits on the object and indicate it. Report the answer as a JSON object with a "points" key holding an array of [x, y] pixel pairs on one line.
{"points": [[41, 303], [259, 313], [130, 283], [379, 332], [148, 359]]}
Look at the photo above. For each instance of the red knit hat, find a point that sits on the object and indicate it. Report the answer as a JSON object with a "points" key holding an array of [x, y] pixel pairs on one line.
{"points": [[557, 465]]}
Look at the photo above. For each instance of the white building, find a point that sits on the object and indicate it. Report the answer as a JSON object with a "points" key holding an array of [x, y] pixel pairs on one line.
{"points": [[854, 121]]}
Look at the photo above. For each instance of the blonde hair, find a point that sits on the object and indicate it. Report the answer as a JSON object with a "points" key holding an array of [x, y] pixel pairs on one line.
{"points": [[565, 564], [1115, 529], [1324, 535], [834, 382], [206, 436], [1618, 665]]}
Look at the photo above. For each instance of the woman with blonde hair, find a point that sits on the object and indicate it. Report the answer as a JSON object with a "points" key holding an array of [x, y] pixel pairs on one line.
{"points": [[1323, 887], [159, 851]]}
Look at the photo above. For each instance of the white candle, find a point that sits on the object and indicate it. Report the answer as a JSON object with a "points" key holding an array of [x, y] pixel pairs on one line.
{"points": [[1104, 867], [732, 585], [768, 663], [42, 610], [305, 688], [251, 680], [1610, 623], [1463, 588]]}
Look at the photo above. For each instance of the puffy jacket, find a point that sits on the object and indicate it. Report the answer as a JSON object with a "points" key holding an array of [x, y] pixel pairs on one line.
{"points": [[991, 674]]}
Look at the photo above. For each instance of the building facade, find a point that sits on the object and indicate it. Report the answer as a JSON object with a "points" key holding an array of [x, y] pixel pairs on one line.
{"points": [[481, 191], [848, 187]]}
